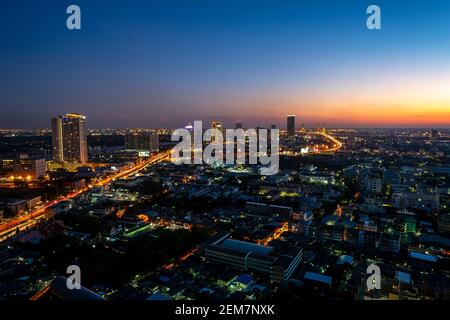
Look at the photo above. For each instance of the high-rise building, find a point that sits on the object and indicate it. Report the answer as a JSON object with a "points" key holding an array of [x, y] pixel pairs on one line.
{"points": [[69, 138], [217, 128], [142, 142], [239, 125], [57, 139], [291, 126]]}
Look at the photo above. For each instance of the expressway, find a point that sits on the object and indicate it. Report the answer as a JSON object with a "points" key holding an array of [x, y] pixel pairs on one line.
{"points": [[336, 143], [334, 146], [21, 223]]}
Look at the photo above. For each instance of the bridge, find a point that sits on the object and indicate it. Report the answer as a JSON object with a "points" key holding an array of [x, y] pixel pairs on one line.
{"points": [[336, 144], [317, 149]]}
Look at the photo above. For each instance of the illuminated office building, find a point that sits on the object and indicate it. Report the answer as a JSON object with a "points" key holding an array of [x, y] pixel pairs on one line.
{"points": [[69, 138]]}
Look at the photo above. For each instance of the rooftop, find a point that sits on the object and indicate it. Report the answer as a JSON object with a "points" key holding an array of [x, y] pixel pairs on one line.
{"points": [[244, 246], [423, 256], [318, 277]]}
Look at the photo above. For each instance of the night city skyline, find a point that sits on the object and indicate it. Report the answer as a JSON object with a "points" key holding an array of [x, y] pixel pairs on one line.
{"points": [[156, 65], [229, 157]]}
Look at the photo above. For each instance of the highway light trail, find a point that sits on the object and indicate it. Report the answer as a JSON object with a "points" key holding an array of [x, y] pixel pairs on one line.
{"points": [[336, 143], [24, 222]]}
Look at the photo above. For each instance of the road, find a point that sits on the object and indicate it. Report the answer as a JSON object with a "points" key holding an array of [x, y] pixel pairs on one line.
{"points": [[336, 143], [26, 221]]}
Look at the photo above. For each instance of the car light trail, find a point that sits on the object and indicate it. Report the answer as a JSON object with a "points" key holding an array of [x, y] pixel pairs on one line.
{"points": [[8, 229]]}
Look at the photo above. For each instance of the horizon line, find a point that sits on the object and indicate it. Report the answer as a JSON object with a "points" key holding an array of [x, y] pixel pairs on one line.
{"points": [[174, 128]]}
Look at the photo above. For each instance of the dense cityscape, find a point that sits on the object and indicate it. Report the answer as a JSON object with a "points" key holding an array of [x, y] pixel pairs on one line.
{"points": [[224, 159], [140, 227]]}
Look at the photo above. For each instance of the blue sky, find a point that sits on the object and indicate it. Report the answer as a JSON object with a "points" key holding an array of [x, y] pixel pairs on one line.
{"points": [[165, 63]]}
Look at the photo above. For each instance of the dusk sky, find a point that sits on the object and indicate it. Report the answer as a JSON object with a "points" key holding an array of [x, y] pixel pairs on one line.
{"points": [[165, 63]]}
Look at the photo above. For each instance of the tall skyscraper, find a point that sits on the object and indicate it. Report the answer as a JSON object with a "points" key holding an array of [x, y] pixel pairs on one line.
{"points": [[57, 140], [290, 125], [22, 167], [69, 138], [238, 125]]}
